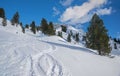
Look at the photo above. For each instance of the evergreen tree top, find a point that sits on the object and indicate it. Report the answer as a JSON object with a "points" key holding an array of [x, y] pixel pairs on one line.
{"points": [[2, 13], [95, 18]]}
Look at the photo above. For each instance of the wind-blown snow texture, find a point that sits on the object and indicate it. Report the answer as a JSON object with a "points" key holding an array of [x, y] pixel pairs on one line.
{"points": [[39, 55]]}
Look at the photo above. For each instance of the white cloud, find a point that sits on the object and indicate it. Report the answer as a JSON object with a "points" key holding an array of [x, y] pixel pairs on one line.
{"points": [[105, 11], [66, 2], [56, 11], [82, 14]]}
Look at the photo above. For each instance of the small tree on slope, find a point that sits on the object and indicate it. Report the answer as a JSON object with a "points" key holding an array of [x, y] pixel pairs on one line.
{"points": [[44, 26], [51, 30], [77, 37], [2, 13], [60, 34], [23, 29], [33, 27], [69, 38], [15, 19], [4, 22], [97, 37]]}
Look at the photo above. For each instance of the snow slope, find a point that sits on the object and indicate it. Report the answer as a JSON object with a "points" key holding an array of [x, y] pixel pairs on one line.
{"points": [[74, 31], [38, 55]]}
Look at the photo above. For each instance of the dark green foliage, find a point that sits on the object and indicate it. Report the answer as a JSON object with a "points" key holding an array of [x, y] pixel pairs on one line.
{"points": [[69, 38], [115, 46], [84, 38], [47, 28], [77, 37], [71, 33], [51, 30], [2, 13], [44, 26], [73, 36], [64, 28], [23, 29], [15, 19], [60, 34], [97, 37], [115, 40], [38, 28], [27, 26], [21, 24], [33, 27], [118, 41], [4, 22]]}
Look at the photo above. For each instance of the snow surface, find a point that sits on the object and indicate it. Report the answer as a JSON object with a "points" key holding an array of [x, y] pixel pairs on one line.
{"points": [[38, 55]]}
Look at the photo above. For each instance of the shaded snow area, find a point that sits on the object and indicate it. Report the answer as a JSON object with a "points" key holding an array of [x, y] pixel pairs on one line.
{"points": [[39, 55]]}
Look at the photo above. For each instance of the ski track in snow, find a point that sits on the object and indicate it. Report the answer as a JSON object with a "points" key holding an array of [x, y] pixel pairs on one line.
{"points": [[41, 64], [44, 64]]}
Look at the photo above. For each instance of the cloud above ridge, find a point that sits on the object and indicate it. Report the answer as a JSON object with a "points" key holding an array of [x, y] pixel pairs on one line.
{"points": [[83, 13]]}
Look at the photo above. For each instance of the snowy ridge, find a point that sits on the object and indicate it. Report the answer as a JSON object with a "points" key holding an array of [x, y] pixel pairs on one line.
{"points": [[74, 32]]}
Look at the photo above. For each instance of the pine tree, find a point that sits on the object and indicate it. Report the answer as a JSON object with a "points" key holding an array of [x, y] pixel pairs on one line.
{"points": [[77, 37], [4, 22], [21, 25], [60, 34], [118, 41], [15, 19], [27, 26], [44, 26], [97, 37], [115, 46], [23, 29], [71, 33], [51, 30], [33, 27], [2, 13], [64, 28], [115, 40], [38, 28], [69, 38]]}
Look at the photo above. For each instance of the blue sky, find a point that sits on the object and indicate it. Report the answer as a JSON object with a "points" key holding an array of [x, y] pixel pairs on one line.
{"points": [[73, 12]]}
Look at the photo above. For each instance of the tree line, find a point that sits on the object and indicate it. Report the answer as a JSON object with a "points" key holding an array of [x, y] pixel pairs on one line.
{"points": [[45, 27]]}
